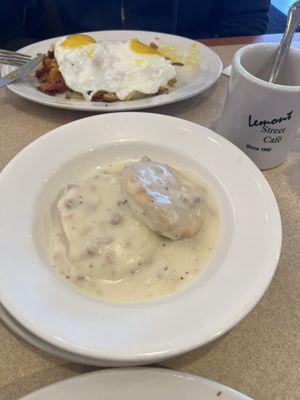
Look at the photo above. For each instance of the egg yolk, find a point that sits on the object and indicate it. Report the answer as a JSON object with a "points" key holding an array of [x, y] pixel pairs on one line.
{"points": [[142, 48], [77, 40]]}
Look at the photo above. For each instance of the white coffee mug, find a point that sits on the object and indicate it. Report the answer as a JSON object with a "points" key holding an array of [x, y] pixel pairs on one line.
{"points": [[262, 118]]}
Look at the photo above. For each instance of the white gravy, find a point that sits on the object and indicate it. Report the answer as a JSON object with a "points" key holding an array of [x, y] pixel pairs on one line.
{"points": [[97, 244]]}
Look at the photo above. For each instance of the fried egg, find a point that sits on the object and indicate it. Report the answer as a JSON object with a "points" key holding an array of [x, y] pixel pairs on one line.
{"points": [[122, 68]]}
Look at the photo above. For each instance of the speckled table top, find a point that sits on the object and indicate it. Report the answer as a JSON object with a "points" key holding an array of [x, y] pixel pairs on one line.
{"points": [[261, 355]]}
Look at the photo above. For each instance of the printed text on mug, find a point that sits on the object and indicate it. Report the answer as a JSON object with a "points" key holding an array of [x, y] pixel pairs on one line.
{"points": [[271, 130]]}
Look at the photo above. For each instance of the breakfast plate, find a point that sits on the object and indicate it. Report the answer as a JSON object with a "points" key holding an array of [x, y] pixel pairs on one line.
{"points": [[134, 384], [190, 81], [137, 332]]}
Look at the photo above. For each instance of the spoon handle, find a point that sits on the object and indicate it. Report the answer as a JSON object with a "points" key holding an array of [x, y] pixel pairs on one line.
{"points": [[293, 20]]}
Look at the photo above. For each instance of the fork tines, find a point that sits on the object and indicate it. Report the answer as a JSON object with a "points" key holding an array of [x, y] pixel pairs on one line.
{"points": [[12, 57]]}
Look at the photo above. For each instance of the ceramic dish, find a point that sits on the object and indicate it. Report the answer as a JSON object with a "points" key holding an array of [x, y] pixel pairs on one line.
{"points": [[188, 84], [134, 384], [115, 333], [35, 341]]}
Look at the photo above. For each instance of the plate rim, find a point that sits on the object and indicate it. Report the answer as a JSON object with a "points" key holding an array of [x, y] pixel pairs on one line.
{"points": [[29, 337], [127, 107], [143, 370], [148, 358]]}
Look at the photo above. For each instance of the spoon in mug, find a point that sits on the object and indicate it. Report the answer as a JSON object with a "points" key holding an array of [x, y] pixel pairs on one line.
{"points": [[293, 20]]}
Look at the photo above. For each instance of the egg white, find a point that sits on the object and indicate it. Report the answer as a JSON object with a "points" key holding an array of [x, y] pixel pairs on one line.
{"points": [[113, 67]]}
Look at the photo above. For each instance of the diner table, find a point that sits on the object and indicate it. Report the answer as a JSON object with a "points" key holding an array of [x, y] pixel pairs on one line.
{"points": [[261, 355]]}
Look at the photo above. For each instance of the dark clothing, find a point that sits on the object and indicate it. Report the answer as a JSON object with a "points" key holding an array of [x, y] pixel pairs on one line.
{"points": [[193, 18], [39, 19]]}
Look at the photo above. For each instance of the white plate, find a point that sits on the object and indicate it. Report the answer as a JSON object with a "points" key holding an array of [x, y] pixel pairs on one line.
{"points": [[24, 334], [134, 333], [188, 85], [136, 384]]}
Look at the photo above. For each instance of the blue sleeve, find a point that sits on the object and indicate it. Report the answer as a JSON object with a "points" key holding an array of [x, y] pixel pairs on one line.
{"points": [[241, 17]]}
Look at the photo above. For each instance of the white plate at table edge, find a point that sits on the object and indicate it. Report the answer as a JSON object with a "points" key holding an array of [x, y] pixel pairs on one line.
{"points": [[136, 383], [35, 341], [192, 89], [137, 121]]}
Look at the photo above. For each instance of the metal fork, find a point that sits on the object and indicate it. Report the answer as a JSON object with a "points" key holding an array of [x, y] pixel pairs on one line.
{"points": [[21, 71], [13, 58]]}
